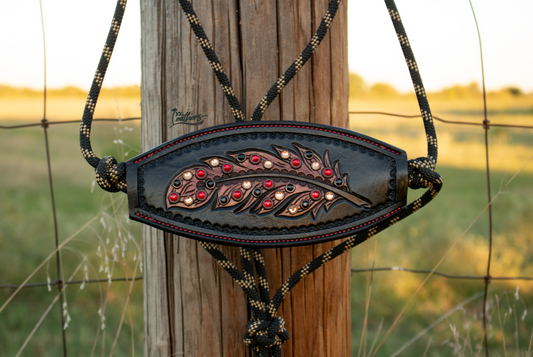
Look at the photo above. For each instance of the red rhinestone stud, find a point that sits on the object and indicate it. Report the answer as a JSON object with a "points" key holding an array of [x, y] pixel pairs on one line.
{"points": [[254, 159], [201, 174], [315, 195], [296, 163], [173, 197], [267, 204], [227, 168], [328, 172], [237, 195], [268, 184], [201, 195]]}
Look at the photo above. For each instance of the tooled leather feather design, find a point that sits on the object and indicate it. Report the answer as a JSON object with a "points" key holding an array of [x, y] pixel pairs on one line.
{"points": [[289, 182]]}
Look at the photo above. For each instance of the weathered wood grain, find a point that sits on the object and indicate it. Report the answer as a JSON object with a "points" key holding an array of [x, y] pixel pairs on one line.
{"points": [[192, 306]]}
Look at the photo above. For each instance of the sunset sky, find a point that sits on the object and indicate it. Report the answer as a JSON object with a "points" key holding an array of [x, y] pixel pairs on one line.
{"points": [[442, 34]]}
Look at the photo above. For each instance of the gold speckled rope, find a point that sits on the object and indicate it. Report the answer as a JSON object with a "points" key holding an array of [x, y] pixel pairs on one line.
{"points": [[110, 175]]}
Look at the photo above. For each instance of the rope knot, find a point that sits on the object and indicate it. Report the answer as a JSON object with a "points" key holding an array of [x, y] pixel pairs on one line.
{"points": [[110, 175], [422, 173], [266, 333]]}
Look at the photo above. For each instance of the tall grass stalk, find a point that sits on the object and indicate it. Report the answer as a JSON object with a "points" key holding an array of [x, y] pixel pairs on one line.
{"points": [[427, 347], [368, 295], [501, 324], [46, 312], [128, 300], [126, 305], [65, 242], [438, 321]]}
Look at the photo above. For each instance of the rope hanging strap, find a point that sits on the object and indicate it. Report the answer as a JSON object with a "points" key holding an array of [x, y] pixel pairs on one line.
{"points": [[110, 175], [213, 60], [300, 61], [282, 81], [421, 170]]}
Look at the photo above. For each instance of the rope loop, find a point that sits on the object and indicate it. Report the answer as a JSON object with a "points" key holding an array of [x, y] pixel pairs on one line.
{"points": [[266, 333], [422, 173], [110, 175]]}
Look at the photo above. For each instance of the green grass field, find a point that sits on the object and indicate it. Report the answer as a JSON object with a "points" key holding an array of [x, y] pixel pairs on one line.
{"points": [[27, 238], [110, 244], [422, 240]]}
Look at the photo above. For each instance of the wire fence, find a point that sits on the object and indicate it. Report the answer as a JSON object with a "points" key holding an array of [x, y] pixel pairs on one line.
{"points": [[60, 284]]}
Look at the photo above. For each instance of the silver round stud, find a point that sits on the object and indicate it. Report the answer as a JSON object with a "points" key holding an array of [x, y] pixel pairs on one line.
{"points": [[187, 175], [285, 154], [315, 166], [188, 200], [279, 195], [268, 164], [246, 185], [214, 162], [329, 196]]}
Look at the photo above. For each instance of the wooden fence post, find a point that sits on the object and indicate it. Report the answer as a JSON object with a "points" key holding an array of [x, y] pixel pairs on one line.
{"points": [[191, 306]]}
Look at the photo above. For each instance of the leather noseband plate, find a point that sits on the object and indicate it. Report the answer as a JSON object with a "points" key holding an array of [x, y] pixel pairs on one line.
{"points": [[268, 184]]}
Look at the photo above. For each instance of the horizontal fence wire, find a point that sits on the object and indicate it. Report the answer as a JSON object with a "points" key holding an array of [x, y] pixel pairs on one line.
{"points": [[59, 284], [488, 125], [353, 271], [65, 283], [445, 275], [47, 122]]}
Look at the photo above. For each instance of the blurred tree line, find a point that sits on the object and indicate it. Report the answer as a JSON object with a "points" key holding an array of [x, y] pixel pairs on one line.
{"points": [[68, 92], [360, 89]]}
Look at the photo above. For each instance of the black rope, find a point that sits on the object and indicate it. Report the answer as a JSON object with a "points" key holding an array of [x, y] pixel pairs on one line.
{"points": [[213, 60], [421, 170], [262, 279], [110, 175], [282, 81], [300, 61], [265, 331]]}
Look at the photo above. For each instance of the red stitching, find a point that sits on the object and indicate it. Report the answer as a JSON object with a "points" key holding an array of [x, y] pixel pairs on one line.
{"points": [[264, 241], [267, 126]]}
